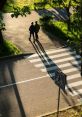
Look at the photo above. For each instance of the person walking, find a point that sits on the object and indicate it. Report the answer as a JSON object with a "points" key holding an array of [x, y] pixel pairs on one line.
{"points": [[37, 28], [32, 30]]}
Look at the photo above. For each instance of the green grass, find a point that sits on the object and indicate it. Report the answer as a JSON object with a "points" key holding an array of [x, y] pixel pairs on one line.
{"points": [[9, 49], [73, 35], [60, 30], [64, 29]]}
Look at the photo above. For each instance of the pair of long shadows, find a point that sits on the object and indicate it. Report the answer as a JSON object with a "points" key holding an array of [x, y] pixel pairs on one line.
{"points": [[56, 74]]}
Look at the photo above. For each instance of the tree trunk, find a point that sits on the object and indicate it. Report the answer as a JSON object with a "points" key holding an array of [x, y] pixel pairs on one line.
{"points": [[68, 21], [68, 13], [2, 3], [1, 38]]}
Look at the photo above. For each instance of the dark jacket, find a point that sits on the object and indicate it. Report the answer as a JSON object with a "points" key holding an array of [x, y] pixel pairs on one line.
{"points": [[32, 29], [37, 28]]}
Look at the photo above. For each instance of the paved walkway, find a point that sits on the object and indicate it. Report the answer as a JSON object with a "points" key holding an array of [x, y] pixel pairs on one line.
{"points": [[17, 31]]}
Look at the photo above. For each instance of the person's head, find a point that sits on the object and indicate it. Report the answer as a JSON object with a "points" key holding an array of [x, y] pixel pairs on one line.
{"points": [[32, 23], [35, 22]]}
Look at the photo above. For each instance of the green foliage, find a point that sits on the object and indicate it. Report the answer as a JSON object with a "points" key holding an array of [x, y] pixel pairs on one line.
{"points": [[57, 2], [2, 25], [72, 34], [20, 11], [40, 5], [37, 4], [9, 49], [54, 28], [46, 19], [66, 3], [8, 7], [10, 4], [60, 29]]}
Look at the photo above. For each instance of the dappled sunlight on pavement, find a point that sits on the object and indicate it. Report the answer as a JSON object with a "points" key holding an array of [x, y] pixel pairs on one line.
{"points": [[17, 30]]}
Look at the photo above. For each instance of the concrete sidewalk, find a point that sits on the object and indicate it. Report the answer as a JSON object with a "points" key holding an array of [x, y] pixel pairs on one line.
{"points": [[17, 30], [25, 91]]}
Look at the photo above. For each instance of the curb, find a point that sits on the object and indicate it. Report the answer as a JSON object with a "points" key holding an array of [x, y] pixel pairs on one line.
{"points": [[50, 113], [20, 55], [15, 56]]}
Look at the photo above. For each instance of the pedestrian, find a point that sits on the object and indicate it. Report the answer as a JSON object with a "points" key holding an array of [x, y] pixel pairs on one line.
{"points": [[32, 30], [37, 28]]}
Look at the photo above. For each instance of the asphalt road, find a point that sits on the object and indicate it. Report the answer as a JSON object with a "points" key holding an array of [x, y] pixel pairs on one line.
{"points": [[30, 87]]}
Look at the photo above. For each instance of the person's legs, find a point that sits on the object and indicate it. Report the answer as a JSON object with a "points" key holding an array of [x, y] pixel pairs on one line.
{"points": [[33, 36], [30, 36], [36, 35]]}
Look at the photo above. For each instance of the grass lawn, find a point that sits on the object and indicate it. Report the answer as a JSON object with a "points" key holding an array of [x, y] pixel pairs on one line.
{"points": [[9, 49], [60, 30]]}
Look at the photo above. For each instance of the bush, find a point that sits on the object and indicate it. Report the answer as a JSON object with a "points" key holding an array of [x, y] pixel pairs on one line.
{"points": [[40, 5], [46, 19], [20, 11]]}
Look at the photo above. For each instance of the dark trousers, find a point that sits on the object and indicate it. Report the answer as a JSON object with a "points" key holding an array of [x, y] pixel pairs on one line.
{"points": [[36, 35], [31, 35]]}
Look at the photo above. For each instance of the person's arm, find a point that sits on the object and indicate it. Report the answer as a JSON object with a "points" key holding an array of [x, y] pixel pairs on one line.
{"points": [[29, 28]]}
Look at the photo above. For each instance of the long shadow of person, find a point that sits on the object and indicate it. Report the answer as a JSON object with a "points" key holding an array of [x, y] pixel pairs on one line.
{"points": [[52, 69]]}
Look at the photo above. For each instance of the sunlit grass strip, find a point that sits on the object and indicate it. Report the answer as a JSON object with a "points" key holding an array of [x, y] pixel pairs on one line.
{"points": [[9, 48]]}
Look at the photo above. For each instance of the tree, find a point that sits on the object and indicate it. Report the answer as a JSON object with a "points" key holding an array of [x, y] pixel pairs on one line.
{"points": [[1, 20], [20, 11], [17, 11], [71, 6], [67, 5]]}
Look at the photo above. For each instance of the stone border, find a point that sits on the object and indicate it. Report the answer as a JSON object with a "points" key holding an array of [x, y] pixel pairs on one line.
{"points": [[23, 54], [15, 56]]}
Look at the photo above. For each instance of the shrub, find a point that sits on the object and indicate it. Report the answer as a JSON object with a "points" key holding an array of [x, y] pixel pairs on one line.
{"points": [[46, 19], [20, 11]]}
